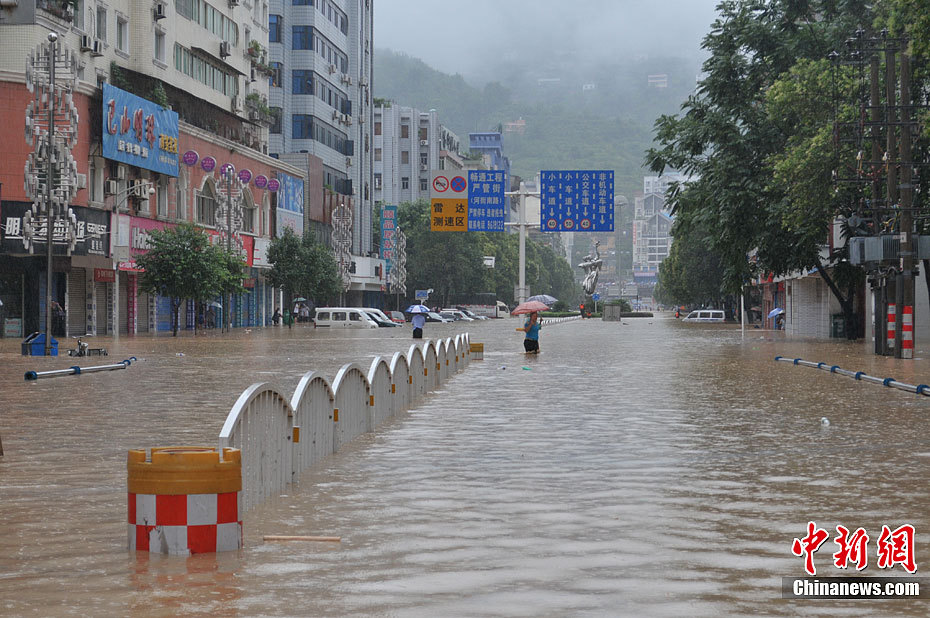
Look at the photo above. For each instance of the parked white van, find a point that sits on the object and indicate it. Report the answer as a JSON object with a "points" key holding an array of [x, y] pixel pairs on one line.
{"points": [[343, 317], [705, 315]]}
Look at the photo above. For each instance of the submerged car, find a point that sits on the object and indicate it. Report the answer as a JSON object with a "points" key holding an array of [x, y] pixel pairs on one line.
{"points": [[705, 315]]}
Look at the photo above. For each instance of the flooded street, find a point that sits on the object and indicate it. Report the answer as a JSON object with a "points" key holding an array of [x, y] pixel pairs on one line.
{"points": [[645, 468]]}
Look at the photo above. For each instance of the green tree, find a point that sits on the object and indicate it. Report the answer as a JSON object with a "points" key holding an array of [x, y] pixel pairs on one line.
{"points": [[302, 267], [739, 130], [181, 263]]}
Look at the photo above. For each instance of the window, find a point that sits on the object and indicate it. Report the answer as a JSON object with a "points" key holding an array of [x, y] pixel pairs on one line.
{"points": [[248, 216], [180, 199], [423, 184], [122, 34], [102, 23], [161, 198], [274, 29], [302, 37], [405, 157], [405, 130], [405, 182], [377, 128], [377, 154], [377, 181], [422, 132], [303, 2], [276, 124], [206, 206], [339, 316], [276, 69], [303, 126], [160, 48], [302, 81], [79, 15], [423, 158]]}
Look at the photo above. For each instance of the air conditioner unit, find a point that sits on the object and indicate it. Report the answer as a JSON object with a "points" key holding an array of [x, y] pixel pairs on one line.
{"points": [[424, 142], [110, 187], [424, 167], [87, 43], [348, 161], [332, 68], [254, 114], [97, 48], [161, 10], [121, 172], [335, 115], [236, 105], [363, 82], [346, 119], [224, 49], [82, 181], [345, 79]]}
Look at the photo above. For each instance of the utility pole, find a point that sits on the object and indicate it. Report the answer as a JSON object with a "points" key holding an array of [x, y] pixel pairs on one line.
{"points": [[228, 299], [907, 197], [522, 225]]}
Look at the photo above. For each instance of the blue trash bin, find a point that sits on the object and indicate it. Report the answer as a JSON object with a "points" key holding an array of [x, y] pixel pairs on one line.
{"points": [[34, 345]]}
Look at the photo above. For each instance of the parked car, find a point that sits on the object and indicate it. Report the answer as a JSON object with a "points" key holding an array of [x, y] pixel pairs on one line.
{"points": [[377, 312], [343, 317], [472, 314], [455, 315], [705, 315], [397, 317], [381, 322], [432, 316]]}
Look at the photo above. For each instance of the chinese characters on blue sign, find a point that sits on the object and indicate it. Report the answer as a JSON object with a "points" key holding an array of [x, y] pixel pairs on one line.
{"points": [[388, 235], [139, 132], [486, 201], [577, 201]]}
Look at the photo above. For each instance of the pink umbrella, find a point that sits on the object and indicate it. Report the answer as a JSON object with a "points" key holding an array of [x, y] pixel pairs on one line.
{"points": [[529, 306]]}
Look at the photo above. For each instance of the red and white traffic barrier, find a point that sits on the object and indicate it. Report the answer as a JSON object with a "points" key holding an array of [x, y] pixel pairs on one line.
{"points": [[892, 325], [907, 332], [185, 500]]}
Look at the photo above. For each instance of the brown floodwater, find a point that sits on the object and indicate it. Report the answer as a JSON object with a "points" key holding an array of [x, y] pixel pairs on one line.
{"points": [[640, 468]]}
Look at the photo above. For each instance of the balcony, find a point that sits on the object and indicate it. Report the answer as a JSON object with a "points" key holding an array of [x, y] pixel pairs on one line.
{"points": [[257, 108], [62, 9]]}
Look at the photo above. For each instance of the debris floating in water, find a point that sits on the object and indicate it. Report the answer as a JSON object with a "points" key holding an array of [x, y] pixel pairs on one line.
{"points": [[180, 354], [527, 369], [503, 367], [824, 421]]}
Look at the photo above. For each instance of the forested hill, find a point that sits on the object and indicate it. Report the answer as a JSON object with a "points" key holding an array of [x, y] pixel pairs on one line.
{"points": [[595, 117]]}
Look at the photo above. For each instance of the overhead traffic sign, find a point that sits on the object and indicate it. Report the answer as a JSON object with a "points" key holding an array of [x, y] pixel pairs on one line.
{"points": [[472, 202], [577, 201]]}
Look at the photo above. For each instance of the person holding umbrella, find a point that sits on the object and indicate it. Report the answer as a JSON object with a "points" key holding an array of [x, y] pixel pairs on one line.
{"points": [[532, 325], [418, 320]]}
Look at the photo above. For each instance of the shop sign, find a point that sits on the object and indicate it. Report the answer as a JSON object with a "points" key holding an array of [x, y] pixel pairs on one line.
{"points": [[139, 132], [104, 275], [17, 233]]}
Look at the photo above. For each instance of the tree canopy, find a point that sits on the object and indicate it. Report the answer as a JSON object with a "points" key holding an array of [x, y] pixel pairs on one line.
{"points": [[302, 267]]}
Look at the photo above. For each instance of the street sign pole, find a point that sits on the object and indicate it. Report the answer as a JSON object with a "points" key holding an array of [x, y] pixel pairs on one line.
{"points": [[523, 225]]}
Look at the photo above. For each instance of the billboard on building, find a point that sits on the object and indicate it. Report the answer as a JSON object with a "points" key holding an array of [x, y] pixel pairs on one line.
{"points": [[290, 210], [388, 235], [139, 132]]}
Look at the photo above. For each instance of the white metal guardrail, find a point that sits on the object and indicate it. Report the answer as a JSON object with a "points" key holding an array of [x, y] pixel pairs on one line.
{"points": [[567, 318], [280, 437]]}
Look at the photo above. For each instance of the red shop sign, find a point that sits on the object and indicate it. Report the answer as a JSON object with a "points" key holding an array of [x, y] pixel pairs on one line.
{"points": [[105, 275]]}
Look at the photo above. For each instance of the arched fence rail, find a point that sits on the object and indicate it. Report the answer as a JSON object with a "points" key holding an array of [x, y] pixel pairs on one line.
{"points": [[568, 318], [280, 437], [919, 389]]}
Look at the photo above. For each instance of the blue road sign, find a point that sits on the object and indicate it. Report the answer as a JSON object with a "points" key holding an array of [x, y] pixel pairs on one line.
{"points": [[595, 296], [422, 294], [486, 205], [577, 201]]}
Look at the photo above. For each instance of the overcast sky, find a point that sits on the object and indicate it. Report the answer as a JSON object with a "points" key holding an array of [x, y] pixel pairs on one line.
{"points": [[456, 36]]}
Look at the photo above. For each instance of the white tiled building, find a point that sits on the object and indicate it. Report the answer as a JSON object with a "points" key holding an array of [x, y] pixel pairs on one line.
{"points": [[408, 144]]}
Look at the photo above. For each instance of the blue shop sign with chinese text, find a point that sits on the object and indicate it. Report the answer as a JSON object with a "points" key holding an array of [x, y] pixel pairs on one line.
{"points": [[388, 235], [486, 205], [139, 132], [576, 201]]}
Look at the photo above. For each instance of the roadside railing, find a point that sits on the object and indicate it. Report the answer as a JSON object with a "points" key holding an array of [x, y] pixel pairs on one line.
{"points": [[567, 318], [280, 437]]}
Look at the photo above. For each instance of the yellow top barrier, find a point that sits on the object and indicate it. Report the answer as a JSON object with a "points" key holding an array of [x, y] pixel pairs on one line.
{"points": [[184, 470], [477, 347]]}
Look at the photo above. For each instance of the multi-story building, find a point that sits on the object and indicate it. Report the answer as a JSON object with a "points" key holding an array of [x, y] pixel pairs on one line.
{"points": [[320, 91], [408, 144], [169, 94], [652, 227]]}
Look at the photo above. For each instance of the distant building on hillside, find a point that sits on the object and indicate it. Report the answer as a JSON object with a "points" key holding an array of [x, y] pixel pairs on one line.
{"points": [[659, 80], [652, 227], [517, 126]]}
